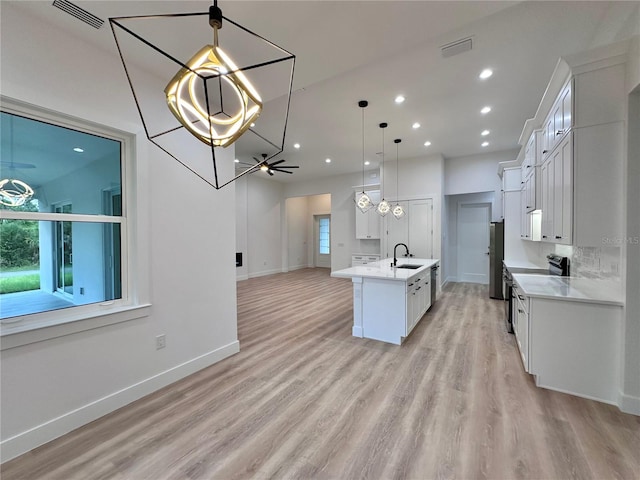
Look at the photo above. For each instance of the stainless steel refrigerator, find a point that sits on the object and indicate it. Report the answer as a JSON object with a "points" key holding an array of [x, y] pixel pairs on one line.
{"points": [[496, 255]]}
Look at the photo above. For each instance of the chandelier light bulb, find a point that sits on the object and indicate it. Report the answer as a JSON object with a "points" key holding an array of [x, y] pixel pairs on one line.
{"points": [[364, 202]]}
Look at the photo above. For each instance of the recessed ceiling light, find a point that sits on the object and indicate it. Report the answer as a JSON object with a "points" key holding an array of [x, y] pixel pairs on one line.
{"points": [[485, 133], [486, 73], [296, 145], [328, 160], [415, 125], [399, 99], [485, 144], [367, 162], [485, 110], [427, 143], [78, 149], [237, 161]]}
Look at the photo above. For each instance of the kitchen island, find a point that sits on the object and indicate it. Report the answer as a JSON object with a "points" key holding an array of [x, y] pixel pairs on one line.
{"points": [[388, 302]]}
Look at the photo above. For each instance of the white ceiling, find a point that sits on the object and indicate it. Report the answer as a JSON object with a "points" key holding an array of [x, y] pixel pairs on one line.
{"points": [[352, 50]]}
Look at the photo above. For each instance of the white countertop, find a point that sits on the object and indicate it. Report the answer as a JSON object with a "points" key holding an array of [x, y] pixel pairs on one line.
{"points": [[523, 264], [570, 288], [382, 269]]}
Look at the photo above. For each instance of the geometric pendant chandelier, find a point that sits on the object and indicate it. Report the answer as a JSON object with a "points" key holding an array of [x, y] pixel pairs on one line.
{"points": [[363, 201], [199, 88], [384, 206], [397, 210]]}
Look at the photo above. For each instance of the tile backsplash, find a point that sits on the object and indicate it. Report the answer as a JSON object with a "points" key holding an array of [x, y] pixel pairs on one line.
{"points": [[589, 262]]}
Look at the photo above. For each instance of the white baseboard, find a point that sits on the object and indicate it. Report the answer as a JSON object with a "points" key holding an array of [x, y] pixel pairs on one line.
{"points": [[357, 332], [41, 434], [449, 279], [297, 267], [629, 404], [239, 278], [265, 273]]}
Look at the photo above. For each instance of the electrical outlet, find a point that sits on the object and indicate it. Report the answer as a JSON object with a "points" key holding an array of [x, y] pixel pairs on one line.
{"points": [[81, 290], [161, 341]]}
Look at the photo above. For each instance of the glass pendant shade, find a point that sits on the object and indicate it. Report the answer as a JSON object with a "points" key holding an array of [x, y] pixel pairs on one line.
{"points": [[364, 202], [383, 208], [14, 193], [398, 211]]}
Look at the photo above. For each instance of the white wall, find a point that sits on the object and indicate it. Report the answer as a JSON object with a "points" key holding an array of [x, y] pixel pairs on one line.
{"points": [[452, 202], [343, 241], [477, 173], [419, 178], [297, 232], [184, 259]]}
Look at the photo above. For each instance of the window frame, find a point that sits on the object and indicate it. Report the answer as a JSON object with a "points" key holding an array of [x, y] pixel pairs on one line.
{"points": [[25, 329]]}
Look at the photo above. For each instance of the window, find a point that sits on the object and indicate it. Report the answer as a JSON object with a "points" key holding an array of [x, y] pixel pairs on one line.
{"points": [[324, 226], [63, 252]]}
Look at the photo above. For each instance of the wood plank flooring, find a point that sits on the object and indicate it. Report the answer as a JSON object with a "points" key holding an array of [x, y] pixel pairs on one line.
{"points": [[304, 399]]}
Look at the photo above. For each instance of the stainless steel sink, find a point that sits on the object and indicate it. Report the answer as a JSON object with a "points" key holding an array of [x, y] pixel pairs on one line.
{"points": [[409, 266]]}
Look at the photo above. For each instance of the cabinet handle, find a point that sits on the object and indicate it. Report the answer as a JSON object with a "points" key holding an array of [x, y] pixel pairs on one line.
{"points": [[559, 132], [544, 151], [528, 206], [410, 285], [418, 288], [520, 297], [528, 166], [521, 311], [557, 236], [544, 236]]}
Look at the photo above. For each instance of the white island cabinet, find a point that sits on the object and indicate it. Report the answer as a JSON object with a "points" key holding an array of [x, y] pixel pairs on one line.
{"points": [[388, 302]]}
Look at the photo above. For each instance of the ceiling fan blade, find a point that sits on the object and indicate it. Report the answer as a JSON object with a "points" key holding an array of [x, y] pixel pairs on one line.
{"points": [[278, 162], [281, 171], [288, 166], [258, 161]]}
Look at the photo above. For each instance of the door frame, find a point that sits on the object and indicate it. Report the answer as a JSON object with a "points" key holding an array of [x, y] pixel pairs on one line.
{"points": [[316, 240], [458, 236]]}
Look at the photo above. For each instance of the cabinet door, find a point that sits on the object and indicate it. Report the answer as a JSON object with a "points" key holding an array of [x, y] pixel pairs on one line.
{"points": [[373, 217], [566, 99], [546, 204], [563, 191], [523, 336], [549, 134]]}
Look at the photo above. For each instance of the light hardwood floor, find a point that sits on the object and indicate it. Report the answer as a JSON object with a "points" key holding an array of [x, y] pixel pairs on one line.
{"points": [[304, 399]]}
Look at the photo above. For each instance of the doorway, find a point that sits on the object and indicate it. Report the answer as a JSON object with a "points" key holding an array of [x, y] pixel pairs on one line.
{"points": [[473, 242], [322, 235]]}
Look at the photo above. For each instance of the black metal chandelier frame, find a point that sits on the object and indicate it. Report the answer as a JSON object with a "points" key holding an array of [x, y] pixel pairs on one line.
{"points": [[288, 56]]}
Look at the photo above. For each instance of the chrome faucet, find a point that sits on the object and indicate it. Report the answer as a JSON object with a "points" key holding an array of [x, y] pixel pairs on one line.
{"points": [[395, 260]]}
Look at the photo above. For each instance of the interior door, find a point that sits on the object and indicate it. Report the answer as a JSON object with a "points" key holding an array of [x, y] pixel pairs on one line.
{"points": [[421, 228], [473, 242]]}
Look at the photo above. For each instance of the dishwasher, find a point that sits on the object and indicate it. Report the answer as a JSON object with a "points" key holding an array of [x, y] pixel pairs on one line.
{"points": [[434, 275]]}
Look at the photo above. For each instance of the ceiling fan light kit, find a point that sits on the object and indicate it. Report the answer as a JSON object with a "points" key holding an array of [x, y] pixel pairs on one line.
{"points": [[210, 93], [13, 192]]}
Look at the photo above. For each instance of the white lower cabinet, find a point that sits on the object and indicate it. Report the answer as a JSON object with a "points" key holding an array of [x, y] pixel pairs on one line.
{"points": [[418, 301], [569, 346], [521, 326], [390, 309], [363, 259]]}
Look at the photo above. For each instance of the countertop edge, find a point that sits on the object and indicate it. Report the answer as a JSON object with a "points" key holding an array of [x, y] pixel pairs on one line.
{"points": [[599, 301]]}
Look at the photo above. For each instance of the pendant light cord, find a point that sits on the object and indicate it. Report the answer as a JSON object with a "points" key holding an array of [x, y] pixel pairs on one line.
{"points": [[382, 127], [397, 182], [363, 149]]}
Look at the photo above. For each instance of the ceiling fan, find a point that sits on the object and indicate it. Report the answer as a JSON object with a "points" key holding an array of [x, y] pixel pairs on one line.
{"points": [[272, 167]]}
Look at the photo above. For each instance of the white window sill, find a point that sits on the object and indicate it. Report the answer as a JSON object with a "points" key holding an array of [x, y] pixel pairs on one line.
{"points": [[24, 332]]}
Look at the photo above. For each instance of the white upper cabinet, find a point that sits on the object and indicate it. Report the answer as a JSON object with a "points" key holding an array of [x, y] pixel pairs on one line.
{"points": [[577, 183], [368, 223]]}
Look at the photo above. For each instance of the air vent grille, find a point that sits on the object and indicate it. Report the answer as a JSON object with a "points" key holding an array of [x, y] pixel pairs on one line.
{"points": [[80, 13], [457, 47]]}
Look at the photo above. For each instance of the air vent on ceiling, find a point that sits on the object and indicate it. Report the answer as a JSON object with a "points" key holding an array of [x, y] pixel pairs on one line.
{"points": [[80, 13], [454, 48]]}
